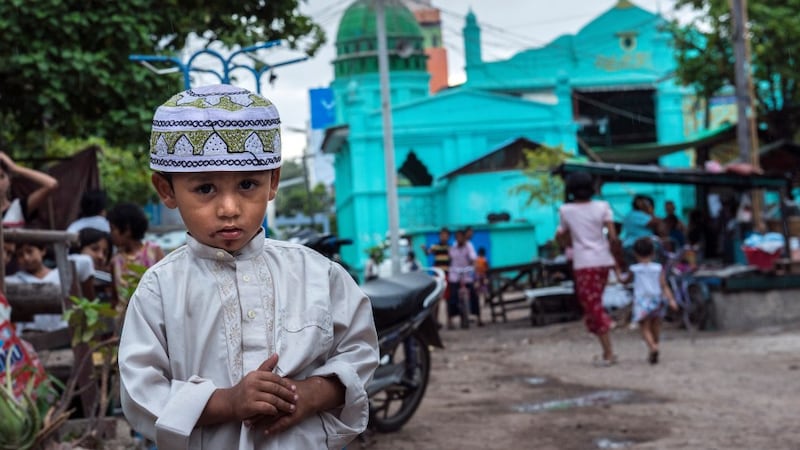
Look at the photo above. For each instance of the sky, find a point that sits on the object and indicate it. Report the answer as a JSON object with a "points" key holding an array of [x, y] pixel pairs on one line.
{"points": [[507, 27]]}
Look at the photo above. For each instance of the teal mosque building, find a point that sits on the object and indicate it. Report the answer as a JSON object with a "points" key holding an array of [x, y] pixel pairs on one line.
{"points": [[459, 151]]}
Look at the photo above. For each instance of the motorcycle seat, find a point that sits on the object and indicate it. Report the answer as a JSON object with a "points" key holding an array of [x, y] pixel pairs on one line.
{"points": [[396, 298]]}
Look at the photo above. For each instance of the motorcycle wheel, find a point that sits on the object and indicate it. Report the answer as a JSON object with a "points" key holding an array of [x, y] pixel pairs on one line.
{"points": [[391, 408]]}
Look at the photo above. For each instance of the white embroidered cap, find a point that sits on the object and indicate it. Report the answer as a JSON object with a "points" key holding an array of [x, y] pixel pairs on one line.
{"points": [[215, 128]]}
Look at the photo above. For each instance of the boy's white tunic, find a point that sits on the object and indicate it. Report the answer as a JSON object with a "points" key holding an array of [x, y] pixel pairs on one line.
{"points": [[202, 318]]}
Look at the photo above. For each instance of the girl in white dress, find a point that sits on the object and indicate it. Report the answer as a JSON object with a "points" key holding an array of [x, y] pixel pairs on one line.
{"points": [[651, 294]]}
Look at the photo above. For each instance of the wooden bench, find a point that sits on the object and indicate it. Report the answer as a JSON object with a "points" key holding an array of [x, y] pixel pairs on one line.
{"points": [[507, 285]]}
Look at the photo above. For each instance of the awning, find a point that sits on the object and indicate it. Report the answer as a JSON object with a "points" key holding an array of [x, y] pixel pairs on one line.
{"points": [[654, 174], [644, 153]]}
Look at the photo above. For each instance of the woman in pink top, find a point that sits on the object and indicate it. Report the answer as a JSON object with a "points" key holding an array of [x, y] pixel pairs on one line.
{"points": [[583, 221]]}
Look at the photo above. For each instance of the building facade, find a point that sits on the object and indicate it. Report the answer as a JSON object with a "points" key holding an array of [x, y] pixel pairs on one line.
{"points": [[459, 151]]}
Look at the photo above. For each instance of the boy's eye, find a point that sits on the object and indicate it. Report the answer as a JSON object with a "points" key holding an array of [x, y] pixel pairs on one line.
{"points": [[248, 184], [204, 189]]}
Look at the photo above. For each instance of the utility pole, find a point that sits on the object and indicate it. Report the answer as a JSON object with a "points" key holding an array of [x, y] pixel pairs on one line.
{"points": [[305, 161], [388, 137], [746, 130]]}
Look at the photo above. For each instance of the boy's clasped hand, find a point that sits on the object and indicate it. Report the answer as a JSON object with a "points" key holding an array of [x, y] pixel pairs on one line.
{"points": [[262, 395]]}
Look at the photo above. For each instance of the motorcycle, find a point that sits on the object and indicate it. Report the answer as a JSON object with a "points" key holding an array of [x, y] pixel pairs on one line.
{"points": [[403, 308]]}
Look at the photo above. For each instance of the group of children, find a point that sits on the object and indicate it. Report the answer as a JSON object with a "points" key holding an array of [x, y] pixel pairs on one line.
{"points": [[102, 257], [465, 268]]}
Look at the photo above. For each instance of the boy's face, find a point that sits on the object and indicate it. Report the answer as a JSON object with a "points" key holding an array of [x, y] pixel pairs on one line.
{"points": [[29, 257], [220, 209]]}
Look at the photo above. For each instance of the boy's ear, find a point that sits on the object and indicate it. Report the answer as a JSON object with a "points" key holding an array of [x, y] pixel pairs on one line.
{"points": [[164, 189], [273, 182]]}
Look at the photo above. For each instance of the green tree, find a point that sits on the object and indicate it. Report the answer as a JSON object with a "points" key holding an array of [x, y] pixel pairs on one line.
{"points": [[543, 188], [293, 198], [705, 56], [66, 71]]}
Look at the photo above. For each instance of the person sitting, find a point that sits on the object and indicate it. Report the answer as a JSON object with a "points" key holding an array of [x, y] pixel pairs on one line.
{"points": [[674, 228], [128, 227], [92, 214], [18, 211], [638, 223], [97, 245], [32, 269]]}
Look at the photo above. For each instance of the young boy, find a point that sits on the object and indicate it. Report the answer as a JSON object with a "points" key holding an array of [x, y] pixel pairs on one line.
{"points": [[234, 340], [30, 261]]}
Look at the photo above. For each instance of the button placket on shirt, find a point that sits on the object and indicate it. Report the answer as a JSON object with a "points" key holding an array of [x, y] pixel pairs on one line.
{"points": [[254, 342]]}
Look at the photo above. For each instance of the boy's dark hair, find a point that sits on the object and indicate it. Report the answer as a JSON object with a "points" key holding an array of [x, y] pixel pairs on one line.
{"points": [[579, 186], [481, 251], [93, 203], [167, 176], [643, 247], [39, 245], [129, 217]]}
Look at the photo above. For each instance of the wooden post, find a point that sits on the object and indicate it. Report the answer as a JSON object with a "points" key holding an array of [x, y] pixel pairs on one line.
{"points": [[746, 129]]}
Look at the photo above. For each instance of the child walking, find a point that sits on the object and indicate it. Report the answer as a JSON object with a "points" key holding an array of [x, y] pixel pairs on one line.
{"points": [[235, 340], [649, 292]]}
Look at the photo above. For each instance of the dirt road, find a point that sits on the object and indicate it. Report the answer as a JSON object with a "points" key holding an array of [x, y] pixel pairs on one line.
{"points": [[513, 386]]}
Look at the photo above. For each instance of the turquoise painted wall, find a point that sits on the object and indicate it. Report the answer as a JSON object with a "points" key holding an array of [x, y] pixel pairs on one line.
{"points": [[529, 95], [505, 244], [623, 46], [445, 132]]}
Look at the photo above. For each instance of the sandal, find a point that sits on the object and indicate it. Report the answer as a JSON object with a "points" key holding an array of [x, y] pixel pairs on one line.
{"points": [[652, 358], [603, 362]]}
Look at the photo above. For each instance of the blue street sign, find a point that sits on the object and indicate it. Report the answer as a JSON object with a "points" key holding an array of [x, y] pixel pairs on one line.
{"points": [[323, 108]]}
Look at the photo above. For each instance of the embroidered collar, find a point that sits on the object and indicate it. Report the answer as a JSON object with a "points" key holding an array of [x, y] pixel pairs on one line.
{"points": [[250, 250]]}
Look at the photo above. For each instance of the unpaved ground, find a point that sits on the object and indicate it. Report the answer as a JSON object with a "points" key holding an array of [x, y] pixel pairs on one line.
{"points": [[503, 386]]}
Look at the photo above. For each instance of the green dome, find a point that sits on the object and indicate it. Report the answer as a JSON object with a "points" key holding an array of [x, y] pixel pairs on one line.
{"points": [[356, 39], [358, 21]]}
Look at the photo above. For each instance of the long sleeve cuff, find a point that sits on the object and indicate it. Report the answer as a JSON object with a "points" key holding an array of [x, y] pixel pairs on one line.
{"points": [[344, 424], [178, 418]]}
